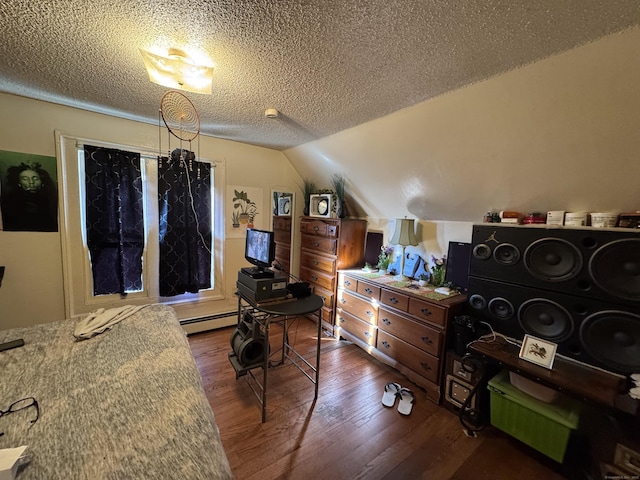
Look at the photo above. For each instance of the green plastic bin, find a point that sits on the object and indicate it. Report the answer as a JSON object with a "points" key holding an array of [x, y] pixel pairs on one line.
{"points": [[543, 426]]}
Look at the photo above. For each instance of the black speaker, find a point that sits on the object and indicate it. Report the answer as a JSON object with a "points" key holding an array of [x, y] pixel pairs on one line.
{"points": [[586, 329], [587, 262]]}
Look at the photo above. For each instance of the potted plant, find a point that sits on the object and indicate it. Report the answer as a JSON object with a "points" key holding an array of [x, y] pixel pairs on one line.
{"points": [[384, 259], [308, 188], [437, 271], [338, 182]]}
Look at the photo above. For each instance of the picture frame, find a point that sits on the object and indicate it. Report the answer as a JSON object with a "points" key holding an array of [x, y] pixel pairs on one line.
{"points": [[538, 351]]}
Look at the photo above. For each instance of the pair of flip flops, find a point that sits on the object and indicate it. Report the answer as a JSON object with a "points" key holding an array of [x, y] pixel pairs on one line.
{"points": [[394, 391]]}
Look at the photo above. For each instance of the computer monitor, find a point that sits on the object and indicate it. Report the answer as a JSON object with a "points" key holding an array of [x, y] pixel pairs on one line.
{"points": [[260, 249], [458, 260]]}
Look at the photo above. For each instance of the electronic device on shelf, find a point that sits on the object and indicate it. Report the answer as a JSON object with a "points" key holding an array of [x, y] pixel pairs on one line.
{"points": [[259, 250]]}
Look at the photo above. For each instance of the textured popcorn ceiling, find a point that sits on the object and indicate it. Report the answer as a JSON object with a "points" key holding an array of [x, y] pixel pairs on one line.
{"points": [[326, 65]]}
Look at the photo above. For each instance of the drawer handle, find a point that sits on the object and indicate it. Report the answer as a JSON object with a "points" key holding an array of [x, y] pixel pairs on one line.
{"points": [[316, 244], [369, 313], [386, 321], [425, 366], [393, 300], [368, 290], [316, 228], [341, 320], [343, 301], [425, 311], [368, 334], [385, 344], [314, 277], [315, 262], [427, 340], [347, 283]]}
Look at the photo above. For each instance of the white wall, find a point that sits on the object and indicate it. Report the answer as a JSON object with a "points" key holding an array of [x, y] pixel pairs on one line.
{"points": [[559, 134], [32, 289]]}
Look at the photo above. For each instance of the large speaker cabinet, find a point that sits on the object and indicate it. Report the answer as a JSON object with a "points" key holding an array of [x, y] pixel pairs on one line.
{"points": [[577, 287]]}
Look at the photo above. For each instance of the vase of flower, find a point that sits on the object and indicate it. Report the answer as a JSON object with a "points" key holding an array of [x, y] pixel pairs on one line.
{"points": [[438, 271], [384, 259]]}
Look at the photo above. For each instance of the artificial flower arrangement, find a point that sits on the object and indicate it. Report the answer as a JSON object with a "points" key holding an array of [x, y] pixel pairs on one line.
{"points": [[384, 258], [438, 270]]}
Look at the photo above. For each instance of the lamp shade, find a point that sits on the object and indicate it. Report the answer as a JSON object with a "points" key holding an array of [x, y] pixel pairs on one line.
{"points": [[404, 234]]}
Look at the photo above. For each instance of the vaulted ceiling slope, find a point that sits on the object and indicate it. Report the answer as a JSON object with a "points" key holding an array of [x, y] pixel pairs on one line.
{"points": [[326, 65]]}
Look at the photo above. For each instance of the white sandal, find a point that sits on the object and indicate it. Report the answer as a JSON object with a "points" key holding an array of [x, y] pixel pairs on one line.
{"points": [[391, 391]]}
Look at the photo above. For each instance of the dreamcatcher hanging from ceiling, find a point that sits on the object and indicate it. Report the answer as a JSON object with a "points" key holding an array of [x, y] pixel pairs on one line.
{"points": [[181, 119]]}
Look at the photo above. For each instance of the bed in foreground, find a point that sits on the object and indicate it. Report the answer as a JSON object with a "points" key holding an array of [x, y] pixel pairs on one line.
{"points": [[125, 404]]}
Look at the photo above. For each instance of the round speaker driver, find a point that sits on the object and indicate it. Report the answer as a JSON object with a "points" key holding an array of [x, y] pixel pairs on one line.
{"points": [[612, 338], [552, 259], [546, 319], [615, 268]]}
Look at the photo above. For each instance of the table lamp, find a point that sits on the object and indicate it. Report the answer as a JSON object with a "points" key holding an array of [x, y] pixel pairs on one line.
{"points": [[404, 235]]}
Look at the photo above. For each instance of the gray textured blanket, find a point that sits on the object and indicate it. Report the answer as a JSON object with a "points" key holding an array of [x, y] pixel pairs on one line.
{"points": [[126, 404]]}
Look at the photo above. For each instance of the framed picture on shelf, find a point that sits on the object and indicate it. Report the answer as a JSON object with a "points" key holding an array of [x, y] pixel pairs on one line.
{"points": [[538, 351]]}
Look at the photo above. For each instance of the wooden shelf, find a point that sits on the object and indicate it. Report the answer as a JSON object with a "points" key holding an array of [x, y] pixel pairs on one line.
{"points": [[574, 378]]}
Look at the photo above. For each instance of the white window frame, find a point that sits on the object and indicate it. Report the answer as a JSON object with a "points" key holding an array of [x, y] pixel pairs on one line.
{"points": [[77, 275]]}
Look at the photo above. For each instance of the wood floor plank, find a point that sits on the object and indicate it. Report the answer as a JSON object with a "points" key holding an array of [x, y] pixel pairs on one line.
{"points": [[347, 433]]}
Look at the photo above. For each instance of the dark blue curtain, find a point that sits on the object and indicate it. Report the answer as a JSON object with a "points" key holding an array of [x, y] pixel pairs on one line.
{"points": [[114, 219], [184, 193]]}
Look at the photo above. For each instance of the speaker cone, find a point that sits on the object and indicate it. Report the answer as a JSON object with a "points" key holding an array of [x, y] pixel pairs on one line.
{"points": [[506, 254], [613, 339], [552, 259], [544, 318], [501, 308], [482, 251], [615, 267], [477, 302]]}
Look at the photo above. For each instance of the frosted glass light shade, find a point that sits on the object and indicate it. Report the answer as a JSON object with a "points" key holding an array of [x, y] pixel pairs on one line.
{"points": [[176, 71]]}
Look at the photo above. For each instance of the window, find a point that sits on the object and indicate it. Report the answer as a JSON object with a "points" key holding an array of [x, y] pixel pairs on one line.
{"points": [[78, 277]]}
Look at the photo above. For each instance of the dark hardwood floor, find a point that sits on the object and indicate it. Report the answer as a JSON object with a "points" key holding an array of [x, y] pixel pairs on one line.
{"points": [[348, 433]]}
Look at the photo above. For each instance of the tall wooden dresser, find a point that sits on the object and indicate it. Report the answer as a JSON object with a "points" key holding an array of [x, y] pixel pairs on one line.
{"points": [[328, 245], [282, 234], [407, 327]]}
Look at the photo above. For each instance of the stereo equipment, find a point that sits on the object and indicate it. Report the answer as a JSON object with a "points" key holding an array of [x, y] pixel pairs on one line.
{"points": [[459, 382], [261, 289], [589, 262], [577, 287], [321, 205]]}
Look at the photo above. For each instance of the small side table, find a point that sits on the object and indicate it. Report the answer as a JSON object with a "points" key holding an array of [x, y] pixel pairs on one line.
{"points": [[280, 314]]}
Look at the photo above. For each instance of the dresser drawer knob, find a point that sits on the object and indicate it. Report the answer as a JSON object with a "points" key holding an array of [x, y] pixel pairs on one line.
{"points": [[427, 340], [368, 290], [316, 244], [393, 300], [314, 277], [347, 283], [369, 313], [368, 334], [315, 261], [425, 366], [343, 301], [316, 228], [341, 320], [425, 311], [385, 344], [386, 321]]}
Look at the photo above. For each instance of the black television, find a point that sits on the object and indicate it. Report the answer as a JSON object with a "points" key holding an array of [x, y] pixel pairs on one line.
{"points": [[259, 250], [458, 260]]}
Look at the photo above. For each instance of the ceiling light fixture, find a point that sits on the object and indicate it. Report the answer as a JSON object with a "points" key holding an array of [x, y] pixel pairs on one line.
{"points": [[176, 70]]}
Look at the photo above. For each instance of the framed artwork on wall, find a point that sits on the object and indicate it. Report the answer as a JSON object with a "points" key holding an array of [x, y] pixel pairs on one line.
{"points": [[28, 192]]}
